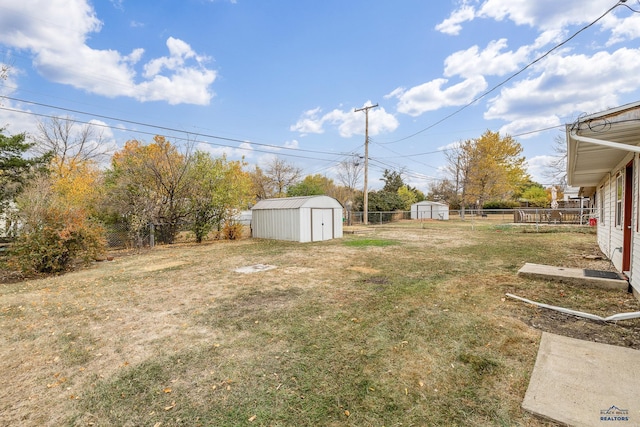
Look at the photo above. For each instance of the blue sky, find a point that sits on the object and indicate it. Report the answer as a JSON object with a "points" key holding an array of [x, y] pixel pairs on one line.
{"points": [[258, 78]]}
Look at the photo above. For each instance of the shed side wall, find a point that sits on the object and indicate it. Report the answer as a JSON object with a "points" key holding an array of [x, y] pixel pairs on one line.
{"points": [[279, 224]]}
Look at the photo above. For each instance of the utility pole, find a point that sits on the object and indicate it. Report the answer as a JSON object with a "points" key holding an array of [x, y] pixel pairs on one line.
{"points": [[365, 218]]}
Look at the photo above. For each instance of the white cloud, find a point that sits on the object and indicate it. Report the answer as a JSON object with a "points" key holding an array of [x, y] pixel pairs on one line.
{"points": [[243, 150], [540, 14], [623, 29], [559, 88], [524, 125], [452, 25], [552, 90], [538, 166], [432, 96], [490, 61], [310, 122], [56, 32], [292, 144], [348, 123]]}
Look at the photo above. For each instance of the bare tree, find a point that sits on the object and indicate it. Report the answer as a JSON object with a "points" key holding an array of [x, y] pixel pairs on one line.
{"points": [[281, 174], [349, 172], [556, 169], [70, 142], [5, 66], [458, 166]]}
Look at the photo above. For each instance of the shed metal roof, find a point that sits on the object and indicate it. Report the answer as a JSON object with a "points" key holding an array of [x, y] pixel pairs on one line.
{"points": [[298, 202], [429, 202], [598, 142]]}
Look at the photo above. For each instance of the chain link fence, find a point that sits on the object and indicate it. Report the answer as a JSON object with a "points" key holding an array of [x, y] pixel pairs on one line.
{"points": [[122, 236], [569, 216]]}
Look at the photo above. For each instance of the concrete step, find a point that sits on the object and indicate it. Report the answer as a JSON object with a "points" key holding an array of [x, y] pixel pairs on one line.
{"points": [[576, 276]]}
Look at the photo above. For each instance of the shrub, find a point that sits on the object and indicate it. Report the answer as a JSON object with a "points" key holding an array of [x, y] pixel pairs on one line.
{"points": [[500, 204], [232, 230], [60, 237]]}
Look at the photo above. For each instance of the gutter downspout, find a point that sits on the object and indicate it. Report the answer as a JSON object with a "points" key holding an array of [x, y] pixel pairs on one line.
{"points": [[612, 144]]}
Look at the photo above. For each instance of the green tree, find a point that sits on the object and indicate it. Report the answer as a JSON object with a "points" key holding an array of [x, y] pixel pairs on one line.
{"points": [[392, 181], [536, 196], [15, 168], [311, 185], [218, 189], [408, 197], [384, 201]]}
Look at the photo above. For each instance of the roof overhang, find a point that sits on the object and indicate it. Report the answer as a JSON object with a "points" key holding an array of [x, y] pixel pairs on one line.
{"points": [[598, 142]]}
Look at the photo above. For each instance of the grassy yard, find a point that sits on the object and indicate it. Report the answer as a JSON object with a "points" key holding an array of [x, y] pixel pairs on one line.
{"points": [[405, 325]]}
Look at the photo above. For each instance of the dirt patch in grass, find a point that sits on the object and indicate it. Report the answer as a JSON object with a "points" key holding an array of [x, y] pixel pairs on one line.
{"points": [[339, 333], [365, 270]]}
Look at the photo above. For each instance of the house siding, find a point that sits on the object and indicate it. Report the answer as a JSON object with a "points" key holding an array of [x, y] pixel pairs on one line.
{"points": [[610, 235], [635, 224]]}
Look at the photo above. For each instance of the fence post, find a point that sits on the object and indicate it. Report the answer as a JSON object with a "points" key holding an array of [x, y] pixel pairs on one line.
{"points": [[152, 235]]}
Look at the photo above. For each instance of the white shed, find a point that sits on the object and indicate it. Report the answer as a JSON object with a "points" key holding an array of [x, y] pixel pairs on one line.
{"points": [[429, 210], [299, 219]]}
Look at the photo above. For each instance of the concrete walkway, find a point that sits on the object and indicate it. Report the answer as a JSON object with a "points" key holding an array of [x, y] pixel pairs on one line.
{"points": [[583, 383], [576, 276]]}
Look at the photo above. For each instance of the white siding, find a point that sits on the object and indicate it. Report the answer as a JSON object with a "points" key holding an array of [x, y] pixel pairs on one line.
{"points": [[429, 210], [610, 236], [281, 224], [635, 248], [300, 219]]}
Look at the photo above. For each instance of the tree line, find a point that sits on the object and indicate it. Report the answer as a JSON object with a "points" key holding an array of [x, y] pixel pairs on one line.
{"points": [[63, 188], [490, 172]]}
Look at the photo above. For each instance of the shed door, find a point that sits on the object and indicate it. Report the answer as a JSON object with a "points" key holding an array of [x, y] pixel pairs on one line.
{"points": [[425, 211], [321, 224]]}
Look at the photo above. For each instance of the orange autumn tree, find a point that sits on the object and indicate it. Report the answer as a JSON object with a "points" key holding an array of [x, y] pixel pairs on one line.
{"points": [[489, 168], [57, 215], [149, 184]]}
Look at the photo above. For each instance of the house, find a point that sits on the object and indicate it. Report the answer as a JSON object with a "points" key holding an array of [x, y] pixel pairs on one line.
{"points": [[298, 219], [603, 152], [429, 210]]}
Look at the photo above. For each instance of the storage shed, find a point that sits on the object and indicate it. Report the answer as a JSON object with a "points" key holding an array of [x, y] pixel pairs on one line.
{"points": [[298, 219], [429, 210]]}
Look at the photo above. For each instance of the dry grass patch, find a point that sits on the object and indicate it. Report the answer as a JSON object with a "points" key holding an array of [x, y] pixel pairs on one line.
{"points": [[345, 332]]}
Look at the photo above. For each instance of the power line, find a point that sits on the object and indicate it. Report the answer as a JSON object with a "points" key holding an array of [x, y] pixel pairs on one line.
{"points": [[179, 138], [517, 73], [164, 128]]}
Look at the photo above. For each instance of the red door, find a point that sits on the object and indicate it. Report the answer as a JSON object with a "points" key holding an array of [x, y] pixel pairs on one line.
{"points": [[628, 212]]}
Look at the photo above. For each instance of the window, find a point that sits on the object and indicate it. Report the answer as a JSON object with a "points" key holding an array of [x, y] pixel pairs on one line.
{"points": [[619, 196], [601, 205]]}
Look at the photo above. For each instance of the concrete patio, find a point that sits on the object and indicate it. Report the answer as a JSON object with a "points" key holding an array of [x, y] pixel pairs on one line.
{"points": [[583, 383]]}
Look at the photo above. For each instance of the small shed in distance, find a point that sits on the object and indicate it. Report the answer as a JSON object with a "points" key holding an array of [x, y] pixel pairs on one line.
{"points": [[429, 210], [298, 219]]}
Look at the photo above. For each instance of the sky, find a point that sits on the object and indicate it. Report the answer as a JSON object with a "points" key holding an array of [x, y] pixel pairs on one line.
{"points": [[255, 79]]}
